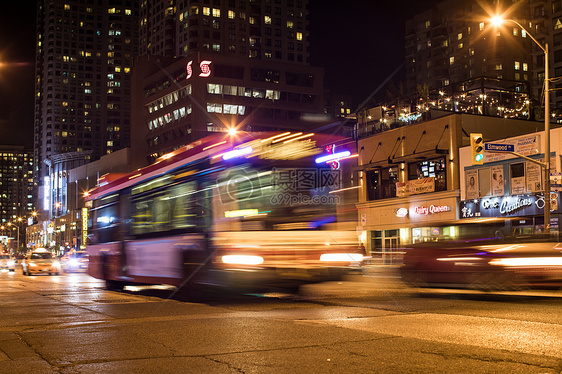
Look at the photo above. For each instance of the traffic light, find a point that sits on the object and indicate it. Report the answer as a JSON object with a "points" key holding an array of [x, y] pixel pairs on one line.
{"points": [[476, 149]]}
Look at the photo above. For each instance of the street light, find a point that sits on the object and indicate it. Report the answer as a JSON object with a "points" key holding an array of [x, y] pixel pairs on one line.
{"points": [[18, 238], [496, 21]]}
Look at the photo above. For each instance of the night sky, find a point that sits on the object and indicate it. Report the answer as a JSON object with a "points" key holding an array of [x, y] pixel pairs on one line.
{"points": [[359, 43]]}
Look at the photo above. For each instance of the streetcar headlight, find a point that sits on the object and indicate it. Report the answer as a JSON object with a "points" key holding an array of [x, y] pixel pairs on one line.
{"points": [[73, 262], [341, 257], [242, 260]]}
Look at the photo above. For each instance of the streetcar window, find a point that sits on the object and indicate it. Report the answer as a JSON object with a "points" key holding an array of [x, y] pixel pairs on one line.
{"points": [[103, 224], [172, 208]]}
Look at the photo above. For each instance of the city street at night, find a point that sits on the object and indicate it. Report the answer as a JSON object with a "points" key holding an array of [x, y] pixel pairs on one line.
{"points": [[370, 322]]}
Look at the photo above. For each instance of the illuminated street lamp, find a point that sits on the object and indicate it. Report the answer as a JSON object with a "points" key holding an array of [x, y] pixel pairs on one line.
{"points": [[497, 21]]}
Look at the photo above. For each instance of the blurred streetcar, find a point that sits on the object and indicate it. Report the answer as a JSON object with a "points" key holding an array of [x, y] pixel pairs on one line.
{"points": [[250, 212]]}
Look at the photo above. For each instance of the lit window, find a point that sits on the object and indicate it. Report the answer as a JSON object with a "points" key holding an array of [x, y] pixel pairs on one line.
{"points": [[523, 33], [517, 65], [252, 20], [299, 35], [499, 67], [515, 31], [206, 11], [525, 66], [117, 69], [231, 14], [481, 26], [216, 12], [267, 20], [451, 60], [461, 45], [290, 24], [459, 36], [128, 12], [427, 24], [66, 7], [110, 143]]}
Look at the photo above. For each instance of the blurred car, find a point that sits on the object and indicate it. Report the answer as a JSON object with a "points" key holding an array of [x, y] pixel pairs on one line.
{"points": [[507, 264], [7, 262], [75, 261], [40, 261]]}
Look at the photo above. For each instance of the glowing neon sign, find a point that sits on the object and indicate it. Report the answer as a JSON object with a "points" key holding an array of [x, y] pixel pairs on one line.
{"points": [[333, 156], [189, 70], [204, 67]]}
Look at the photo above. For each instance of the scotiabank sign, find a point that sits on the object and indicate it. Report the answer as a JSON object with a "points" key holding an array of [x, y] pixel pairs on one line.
{"points": [[508, 206], [204, 69]]}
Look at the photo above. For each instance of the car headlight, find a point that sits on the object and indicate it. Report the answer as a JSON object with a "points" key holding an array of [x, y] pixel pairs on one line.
{"points": [[32, 264], [341, 257], [73, 262], [11, 263], [242, 259]]}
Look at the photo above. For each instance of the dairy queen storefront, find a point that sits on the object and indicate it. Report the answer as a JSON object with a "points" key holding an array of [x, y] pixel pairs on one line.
{"points": [[529, 207]]}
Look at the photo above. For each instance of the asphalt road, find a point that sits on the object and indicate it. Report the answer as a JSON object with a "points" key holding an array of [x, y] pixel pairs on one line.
{"points": [[369, 323]]}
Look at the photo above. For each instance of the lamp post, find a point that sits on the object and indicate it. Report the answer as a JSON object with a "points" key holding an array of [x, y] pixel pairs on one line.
{"points": [[18, 238], [498, 21]]}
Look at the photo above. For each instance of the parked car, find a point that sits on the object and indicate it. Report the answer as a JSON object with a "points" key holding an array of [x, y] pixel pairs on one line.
{"points": [[505, 264], [7, 262], [40, 261], [74, 261]]}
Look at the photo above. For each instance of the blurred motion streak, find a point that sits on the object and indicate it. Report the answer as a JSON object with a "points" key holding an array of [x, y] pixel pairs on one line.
{"points": [[252, 212]]}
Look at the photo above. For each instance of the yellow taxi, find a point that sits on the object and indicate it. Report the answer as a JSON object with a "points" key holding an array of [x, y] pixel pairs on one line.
{"points": [[40, 261]]}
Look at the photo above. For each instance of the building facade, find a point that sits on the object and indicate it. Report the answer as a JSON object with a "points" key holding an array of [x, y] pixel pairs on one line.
{"points": [[455, 42], [508, 186], [84, 56], [180, 100], [411, 179], [263, 30], [16, 199]]}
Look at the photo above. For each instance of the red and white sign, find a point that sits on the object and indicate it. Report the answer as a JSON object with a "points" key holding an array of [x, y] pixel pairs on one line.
{"points": [[204, 67], [432, 209]]}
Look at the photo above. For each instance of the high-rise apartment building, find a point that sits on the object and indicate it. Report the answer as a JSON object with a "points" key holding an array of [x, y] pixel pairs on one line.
{"points": [[84, 55], [16, 184], [257, 63], [266, 29], [455, 42]]}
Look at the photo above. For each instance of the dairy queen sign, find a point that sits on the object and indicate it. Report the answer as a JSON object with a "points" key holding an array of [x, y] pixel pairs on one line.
{"points": [[508, 206]]}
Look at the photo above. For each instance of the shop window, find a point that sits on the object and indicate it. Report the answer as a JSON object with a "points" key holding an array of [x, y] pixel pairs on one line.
{"points": [[381, 183], [517, 178], [426, 169], [484, 182]]}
